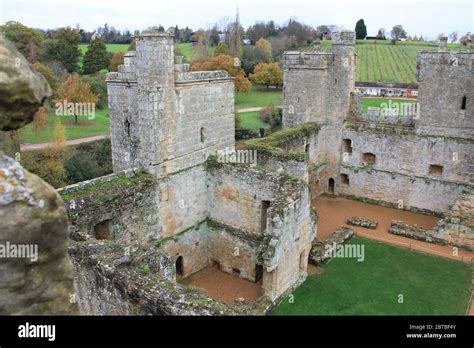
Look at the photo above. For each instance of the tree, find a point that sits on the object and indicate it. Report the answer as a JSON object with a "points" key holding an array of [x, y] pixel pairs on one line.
{"points": [[47, 74], [75, 91], [98, 86], [381, 34], [270, 115], [63, 48], [465, 39], [40, 120], [204, 42], [222, 48], [360, 29], [263, 51], [116, 60], [49, 164], [234, 36], [398, 33], [27, 40], [267, 74], [453, 36], [227, 63], [96, 57]]}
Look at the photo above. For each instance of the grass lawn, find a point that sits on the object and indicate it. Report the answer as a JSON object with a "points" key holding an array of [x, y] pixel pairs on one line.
{"points": [[258, 96], [85, 128], [251, 120], [430, 285], [375, 102]]}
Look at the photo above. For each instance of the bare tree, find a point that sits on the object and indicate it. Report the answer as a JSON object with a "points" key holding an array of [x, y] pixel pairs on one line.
{"points": [[453, 36]]}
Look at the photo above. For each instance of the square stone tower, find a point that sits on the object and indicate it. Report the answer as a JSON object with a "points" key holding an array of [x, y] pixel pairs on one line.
{"points": [[446, 93], [163, 116]]}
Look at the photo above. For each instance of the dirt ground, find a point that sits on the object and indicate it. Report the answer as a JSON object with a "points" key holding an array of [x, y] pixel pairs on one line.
{"points": [[333, 213], [223, 286]]}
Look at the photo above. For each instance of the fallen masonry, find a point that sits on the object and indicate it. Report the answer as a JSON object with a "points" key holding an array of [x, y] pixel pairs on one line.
{"points": [[319, 249], [361, 222]]}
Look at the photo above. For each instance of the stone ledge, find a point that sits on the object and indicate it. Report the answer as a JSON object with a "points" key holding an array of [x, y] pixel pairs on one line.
{"points": [[362, 222]]}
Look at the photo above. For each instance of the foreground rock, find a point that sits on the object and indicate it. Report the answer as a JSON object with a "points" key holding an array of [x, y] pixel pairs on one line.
{"points": [[36, 275], [22, 90]]}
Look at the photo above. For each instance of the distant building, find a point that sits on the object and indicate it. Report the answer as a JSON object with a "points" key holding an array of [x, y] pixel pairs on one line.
{"points": [[400, 90]]}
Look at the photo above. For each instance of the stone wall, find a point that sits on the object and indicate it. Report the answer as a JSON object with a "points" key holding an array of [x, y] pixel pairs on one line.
{"points": [[111, 282], [125, 201]]}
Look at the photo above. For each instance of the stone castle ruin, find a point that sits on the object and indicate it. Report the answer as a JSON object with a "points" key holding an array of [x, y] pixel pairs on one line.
{"points": [[170, 191], [171, 208]]}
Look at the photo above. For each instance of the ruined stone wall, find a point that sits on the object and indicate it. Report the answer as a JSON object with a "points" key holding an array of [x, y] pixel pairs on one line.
{"points": [[457, 227], [141, 282], [192, 245], [127, 199], [289, 234], [234, 252], [402, 166], [279, 242], [182, 201], [234, 199]]}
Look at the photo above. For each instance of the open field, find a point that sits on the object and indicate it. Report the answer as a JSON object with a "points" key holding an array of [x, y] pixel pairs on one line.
{"points": [[429, 285], [258, 96], [85, 128], [251, 120]]}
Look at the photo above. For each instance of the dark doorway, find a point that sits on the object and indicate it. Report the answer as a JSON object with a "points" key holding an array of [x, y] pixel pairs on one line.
{"points": [[258, 272], [179, 266], [331, 186], [103, 230], [265, 206]]}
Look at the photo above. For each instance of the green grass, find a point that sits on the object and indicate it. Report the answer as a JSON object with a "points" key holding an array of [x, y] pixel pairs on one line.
{"points": [[251, 120], [376, 102], [257, 97], [430, 285], [84, 128]]}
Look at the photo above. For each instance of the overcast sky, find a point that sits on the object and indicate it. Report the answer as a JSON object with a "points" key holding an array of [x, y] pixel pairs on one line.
{"points": [[417, 16]]}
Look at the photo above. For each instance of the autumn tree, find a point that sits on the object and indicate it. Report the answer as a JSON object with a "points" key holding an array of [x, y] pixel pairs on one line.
{"points": [[268, 74], [96, 57], [75, 91], [40, 120], [222, 48], [49, 164], [263, 51], [116, 60], [227, 63]]}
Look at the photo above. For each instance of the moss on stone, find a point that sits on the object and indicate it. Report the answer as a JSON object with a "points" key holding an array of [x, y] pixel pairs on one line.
{"points": [[274, 144]]}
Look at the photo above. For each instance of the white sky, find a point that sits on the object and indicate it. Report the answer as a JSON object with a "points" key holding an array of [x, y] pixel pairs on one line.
{"points": [[417, 16]]}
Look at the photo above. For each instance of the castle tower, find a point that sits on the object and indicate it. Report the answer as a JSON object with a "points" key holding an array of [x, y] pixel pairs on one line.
{"points": [[317, 88], [157, 117], [446, 93]]}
